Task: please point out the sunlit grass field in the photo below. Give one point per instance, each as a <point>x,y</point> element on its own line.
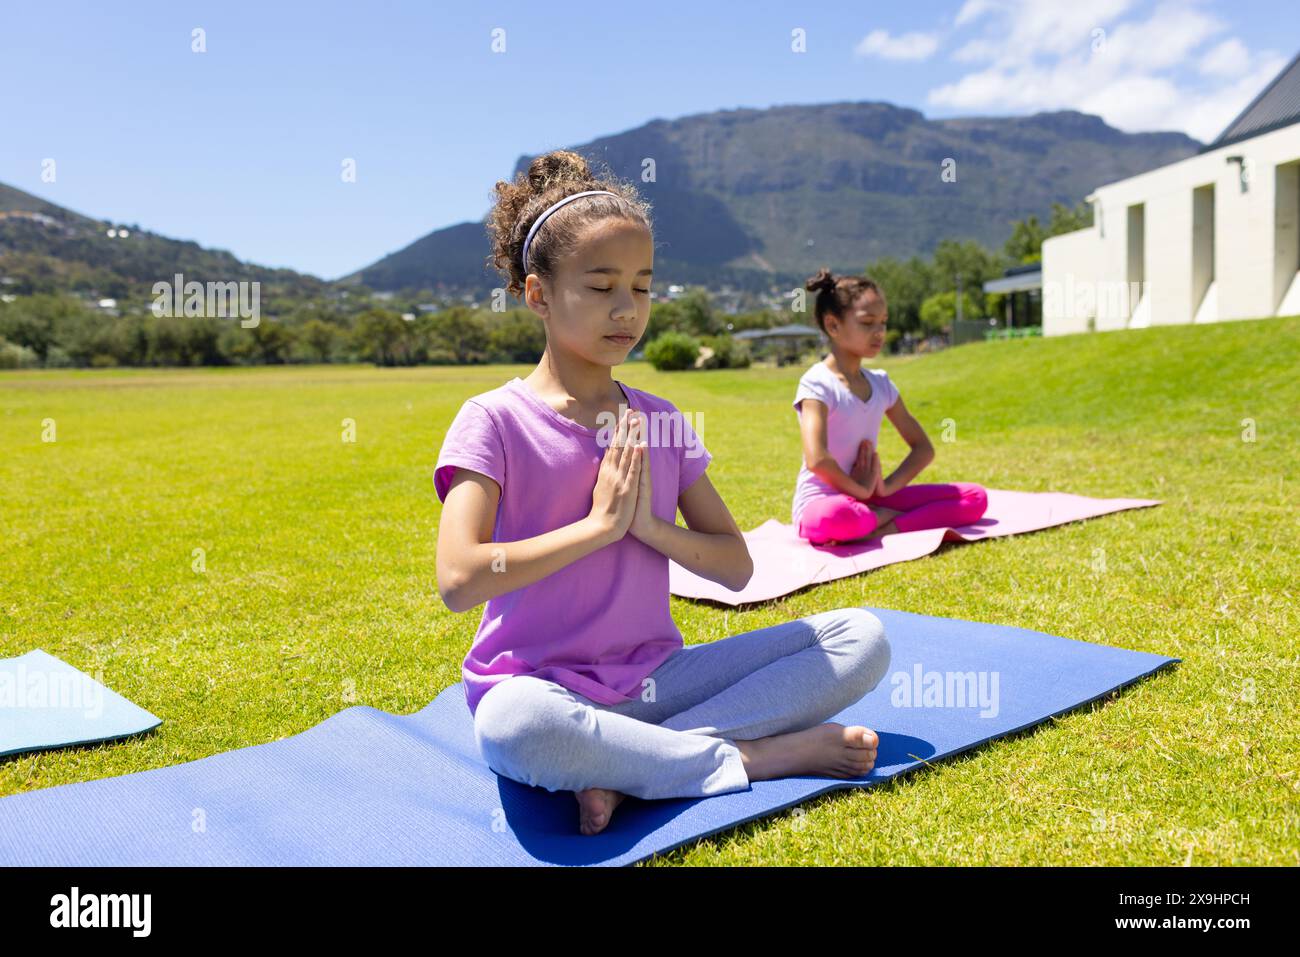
<point>315,588</point>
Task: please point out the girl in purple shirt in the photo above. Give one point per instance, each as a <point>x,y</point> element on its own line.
<point>560,495</point>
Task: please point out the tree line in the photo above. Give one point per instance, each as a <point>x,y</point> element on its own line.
<point>58,329</point>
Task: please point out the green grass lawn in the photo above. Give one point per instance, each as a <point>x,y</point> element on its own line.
<point>320,593</point>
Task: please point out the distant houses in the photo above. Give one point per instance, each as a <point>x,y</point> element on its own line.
<point>34,217</point>
<point>781,343</point>
<point>41,219</point>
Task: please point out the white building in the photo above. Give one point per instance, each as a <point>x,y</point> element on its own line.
<point>1215,236</point>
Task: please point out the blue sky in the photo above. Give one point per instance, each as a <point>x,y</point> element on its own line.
<point>241,147</point>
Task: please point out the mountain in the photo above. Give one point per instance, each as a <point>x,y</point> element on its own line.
<point>756,197</point>
<point>750,198</point>
<point>46,248</point>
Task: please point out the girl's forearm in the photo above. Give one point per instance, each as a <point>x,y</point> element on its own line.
<point>917,459</point>
<point>829,471</point>
<point>494,568</point>
<point>719,557</point>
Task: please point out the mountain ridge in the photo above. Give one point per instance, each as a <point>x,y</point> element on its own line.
<point>756,195</point>
<point>749,197</point>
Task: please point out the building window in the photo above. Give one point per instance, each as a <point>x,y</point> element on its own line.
<point>1286,239</point>
<point>1139,302</point>
<point>1203,255</point>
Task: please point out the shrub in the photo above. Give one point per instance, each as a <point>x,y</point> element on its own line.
<point>14,356</point>
<point>58,358</point>
<point>673,350</point>
<point>728,353</point>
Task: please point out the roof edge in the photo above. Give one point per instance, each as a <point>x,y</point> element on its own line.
<point>1220,141</point>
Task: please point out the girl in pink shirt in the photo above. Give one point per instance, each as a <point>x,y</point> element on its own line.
<point>841,493</point>
<point>560,495</point>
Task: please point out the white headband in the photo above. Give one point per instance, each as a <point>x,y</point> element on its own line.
<point>542,218</point>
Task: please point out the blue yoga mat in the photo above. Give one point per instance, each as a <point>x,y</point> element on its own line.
<point>365,787</point>
<point>47,703</point>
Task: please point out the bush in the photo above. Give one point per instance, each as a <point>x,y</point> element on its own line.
<point>673,350</point>
<point>57,358</point>
<point>14,356</point>
<point>728,353</point>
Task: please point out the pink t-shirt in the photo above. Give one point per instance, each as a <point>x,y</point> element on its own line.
<point>849,420</point>
<point>601,624</point>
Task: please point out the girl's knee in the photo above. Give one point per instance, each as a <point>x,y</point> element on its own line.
<point>495,721</point>
<point>521,716</point>
<point>974,501</point>
<point>872,648</point>
<point>843,519</point>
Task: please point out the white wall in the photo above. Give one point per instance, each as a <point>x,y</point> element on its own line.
<point>1072,261</point>
<point>1255,242</point>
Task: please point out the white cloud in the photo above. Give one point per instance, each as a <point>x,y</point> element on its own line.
<point>1022,30</point>
<point>1138,72</point>
<point>905,46</point>
<point>972,10</point>
<point>1229,58</point>
<point>1164,41</point>
<point>977,51</point>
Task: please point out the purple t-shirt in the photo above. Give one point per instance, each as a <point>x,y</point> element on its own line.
<point>849,420</point>
<point>601,624</point>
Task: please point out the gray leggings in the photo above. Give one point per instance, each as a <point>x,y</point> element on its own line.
<point>702,699</point>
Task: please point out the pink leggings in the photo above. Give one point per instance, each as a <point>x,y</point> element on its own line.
<point>842,518</point>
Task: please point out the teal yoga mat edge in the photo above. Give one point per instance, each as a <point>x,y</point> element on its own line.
<point>142,720</point>
<point>87,742</point>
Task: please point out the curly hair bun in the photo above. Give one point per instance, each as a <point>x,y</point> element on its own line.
<point>824,279</point>
<point>557,166</point>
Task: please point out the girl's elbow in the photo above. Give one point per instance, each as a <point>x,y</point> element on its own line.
<point>450,598</point>
<point>744,568</point>
<point>451,587</point>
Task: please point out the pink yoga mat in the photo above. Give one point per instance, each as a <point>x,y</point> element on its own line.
<point>784,562</point>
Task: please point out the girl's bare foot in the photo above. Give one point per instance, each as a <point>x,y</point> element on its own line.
<point>827,749</point>
<point>596,807</point>
<point>884,522</point>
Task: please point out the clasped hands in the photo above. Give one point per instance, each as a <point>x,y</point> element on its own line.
<point>867,471</point>
<point>623,496</point>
